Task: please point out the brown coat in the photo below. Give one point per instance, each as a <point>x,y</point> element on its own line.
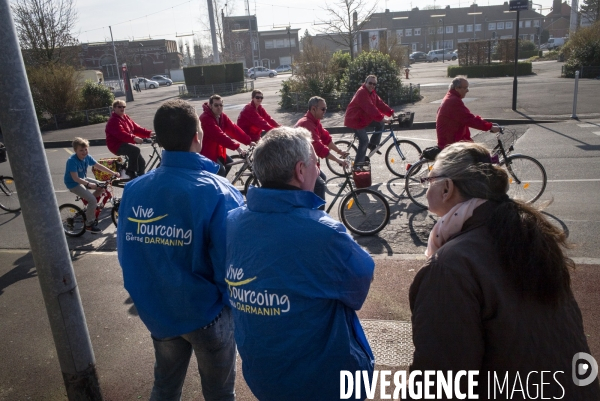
<point>466,315</point>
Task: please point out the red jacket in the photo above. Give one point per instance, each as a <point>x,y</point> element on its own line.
<point>255,120</point>
<point>218,136</point>
<point>320,136</point>
<point>120,130</point>
<point>454,119</point>
<point>364,108</point>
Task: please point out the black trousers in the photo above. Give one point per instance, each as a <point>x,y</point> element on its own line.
<point>223,169</point>
<point>136,164</point>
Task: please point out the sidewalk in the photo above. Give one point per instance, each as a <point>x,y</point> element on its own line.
<point>123,348</point>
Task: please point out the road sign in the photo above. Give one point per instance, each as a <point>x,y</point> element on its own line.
<point>516,5</point>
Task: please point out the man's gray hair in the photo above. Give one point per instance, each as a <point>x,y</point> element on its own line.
<point>314,101</point>
<point>278,152</point>
<point>456,82</point>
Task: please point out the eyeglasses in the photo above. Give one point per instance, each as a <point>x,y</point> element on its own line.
<point>258,97</point>
<point>120,107</point>
<point>372,83</point>
<point>426,181</point>
<point>217,105</point>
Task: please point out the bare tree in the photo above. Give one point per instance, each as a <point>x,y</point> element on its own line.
<point>348,17</point>
<point>220,8</point>
<point>44,28</point>
<point>590,9</point>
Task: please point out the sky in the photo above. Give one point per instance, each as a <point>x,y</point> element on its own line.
<point>140,19</point>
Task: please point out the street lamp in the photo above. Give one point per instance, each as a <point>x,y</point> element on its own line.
<point>289,43</point>
<point>443,33</point>
<point>141,63</point>
<point>474,14</point>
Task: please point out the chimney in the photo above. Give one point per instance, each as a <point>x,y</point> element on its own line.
<point>557,6</point>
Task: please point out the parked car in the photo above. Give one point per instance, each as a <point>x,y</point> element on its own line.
<point>284,68</point>
<point>147,83</point>
<point>417,56</point>
<point>554,43</point>
<point>162,80</point>
<point>437,55</point>
<point>256,72</point>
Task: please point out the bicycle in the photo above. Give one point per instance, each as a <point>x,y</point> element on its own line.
<point>73,217</point>
<point>243,175</point>
<point>363,211</point>
<point>526,176</point>
<point>398,154</point>
<point>9,200</point>
<point>153,162</point>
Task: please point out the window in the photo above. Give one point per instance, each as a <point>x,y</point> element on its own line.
<point>520,24</point>
<point>528,24</point>
<point>293,42</point>
<point>450,29</point>
<point>279,43</point>
<point>500,25</point>
<point>440,30</point>
<point>409,32</point>
<point>492,26</point>
<point>462,40</point>
<point>469,28</point>
<point>399,33</point>
<point>238,46</point>
<point>508,25</point>
<point>417,31</point>
<point>461,28</point>
<point>477,27</point>
<point>536,23</point>
<point>268,44</point>
<point>431,31</point>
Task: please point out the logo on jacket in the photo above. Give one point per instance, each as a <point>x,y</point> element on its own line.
<point>253,301</point>
<point>152,230</point>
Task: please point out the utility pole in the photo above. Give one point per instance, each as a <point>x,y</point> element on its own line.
<point>116,62</point>
<point>213,32</point>
<point>30,169</point>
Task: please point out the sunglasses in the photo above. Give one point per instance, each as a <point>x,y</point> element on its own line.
<point>217,105</point>
<point>258,97</point>
<point>372,83</point>
<point>120,107</point>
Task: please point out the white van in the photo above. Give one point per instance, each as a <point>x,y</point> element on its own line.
<point>555,42</point>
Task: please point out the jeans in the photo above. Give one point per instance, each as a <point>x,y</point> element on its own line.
<point>223,169</point>
<point>215,352</point>
<point>136,163</point>
<point>320,187</point>
<point>364,143</point>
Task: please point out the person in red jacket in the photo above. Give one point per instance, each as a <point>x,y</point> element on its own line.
<point>220,134</point>
<point>454,118</point>
<point>254,119</point>
<point>364,108</point>
<point>121,135</point>
<point>321,140</point>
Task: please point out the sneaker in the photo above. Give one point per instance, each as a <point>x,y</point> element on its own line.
<point>94,229</point>
<point>124,176</point>
<point>371,147</point>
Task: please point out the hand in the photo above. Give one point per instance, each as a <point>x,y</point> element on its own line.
<point>343,154</point>
<point>252,144</point>
<point>116,174</point>
<point>241,152</point>
<point>138,140</point>
<point>343,163</point>
<point>495,129</point>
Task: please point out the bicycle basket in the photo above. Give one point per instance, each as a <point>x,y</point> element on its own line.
<point>431,152</point>
<point>361,174</point>
<point>113,163</point>
<point>2,153</point>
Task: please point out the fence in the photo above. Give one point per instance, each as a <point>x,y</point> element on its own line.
<point>340,100</point>
<point>75,119</point>
<point>590,72</point>
<point>221,89</point>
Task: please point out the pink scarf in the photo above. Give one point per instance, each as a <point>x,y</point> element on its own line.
<point>450,224</point>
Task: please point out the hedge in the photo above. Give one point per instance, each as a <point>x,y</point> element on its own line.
<point>522,54</point>
<point>214,74</point>
<point>491,70</point>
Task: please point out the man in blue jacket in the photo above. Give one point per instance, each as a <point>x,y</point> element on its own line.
<point>171,239</point>
<point>295,279</point>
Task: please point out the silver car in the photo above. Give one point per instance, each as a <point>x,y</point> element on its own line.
<point>147,83</point>
<point>437,55</point>
<point>162,80</point>
<point>256,72</point>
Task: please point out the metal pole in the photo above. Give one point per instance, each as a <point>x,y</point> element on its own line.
<point>574,115</point>
<point>213,32</point>
<point>444,41</point>
<point>44,229</point>
<point>514,99</point>
<point>116,62</point>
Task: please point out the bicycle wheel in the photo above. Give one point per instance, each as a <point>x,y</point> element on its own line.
<point>526,176</point>
<point>344,146</point>
<point>252,180</point>
<point>397,162</point>
<point>9,200</point>
<point>73,220</point>
<point>240,182</point>
<point>114,213</point>
<point>364,212</point>
<point>414,189</point>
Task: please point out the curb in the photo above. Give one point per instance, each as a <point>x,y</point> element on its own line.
<point>340,130</point>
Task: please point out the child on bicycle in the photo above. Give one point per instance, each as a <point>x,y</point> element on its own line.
<point>76,181</point>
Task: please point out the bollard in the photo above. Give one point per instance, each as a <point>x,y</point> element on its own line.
<point>411,93</point>
<point>574,115</point>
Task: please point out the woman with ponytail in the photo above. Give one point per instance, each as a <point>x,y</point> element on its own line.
<point>495,295</point>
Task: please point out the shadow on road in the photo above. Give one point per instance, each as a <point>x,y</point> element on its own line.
<point>24,268</point>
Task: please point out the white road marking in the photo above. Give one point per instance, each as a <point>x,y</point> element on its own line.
<point>596,132</point>
<point>465,100</point>
<point>587,125</point>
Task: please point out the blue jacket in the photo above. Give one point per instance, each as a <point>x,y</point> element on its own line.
<point>295,279</point>
<point>170,240</point>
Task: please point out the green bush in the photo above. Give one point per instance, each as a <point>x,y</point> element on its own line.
<point>526,45</point>
<point>55,88</point>
<point>95,96</point>
<point>373,63</point>
<point>194,75</point>
<point>491,70</point>
<point>339,65</point>
<point>582,49</point>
